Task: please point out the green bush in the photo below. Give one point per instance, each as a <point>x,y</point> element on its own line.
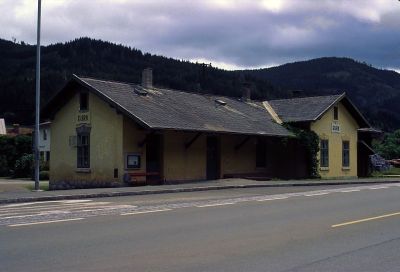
<point>310,141</point>
<point>13,149</point>
<point>4,169</point>
<point>23,145</point>
<point>389,148</point>
<point>44,175</point>
<point>8,155</point>
<point>24,166</point>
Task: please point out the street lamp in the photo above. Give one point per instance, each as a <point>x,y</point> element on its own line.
<point>37,115</point>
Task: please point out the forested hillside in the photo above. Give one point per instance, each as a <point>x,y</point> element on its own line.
<point>88,57</point>
<point>376,92</point>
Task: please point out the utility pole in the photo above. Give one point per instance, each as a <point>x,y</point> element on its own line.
<point>37,115</point>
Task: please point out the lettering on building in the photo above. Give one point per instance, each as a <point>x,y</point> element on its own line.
<point>335,127</point>
<point>83,118</point>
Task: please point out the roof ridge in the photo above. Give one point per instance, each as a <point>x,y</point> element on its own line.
<point>162,88</point>
<point>308,97</point>
<point>105,80</point>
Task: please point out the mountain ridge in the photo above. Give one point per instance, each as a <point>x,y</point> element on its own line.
<point>375,91</point>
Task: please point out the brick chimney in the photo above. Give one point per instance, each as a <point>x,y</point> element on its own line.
<point>147,78</point>
<point>246,92</point>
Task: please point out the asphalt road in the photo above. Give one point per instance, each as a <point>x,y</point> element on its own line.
<point>284,229</point>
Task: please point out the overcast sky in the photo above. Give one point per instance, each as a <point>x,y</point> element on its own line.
<point>230,34</point>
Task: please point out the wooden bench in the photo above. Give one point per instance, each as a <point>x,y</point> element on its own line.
<point>134,178</point>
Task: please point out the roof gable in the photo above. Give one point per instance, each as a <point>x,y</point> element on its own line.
<point>158,108</point>
<point>308,109</point>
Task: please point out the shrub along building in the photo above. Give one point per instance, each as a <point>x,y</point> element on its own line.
<point>338,124</point>
<point>105,133</point>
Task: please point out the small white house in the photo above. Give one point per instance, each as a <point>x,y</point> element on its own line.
<point>44,141</point>
<point>3,130</point>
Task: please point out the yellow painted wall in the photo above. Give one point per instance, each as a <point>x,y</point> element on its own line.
<point>180,163</point>
<point>105,142</point>
<point>191,164</point>
<point>132,135</point>
<point>348,132</point>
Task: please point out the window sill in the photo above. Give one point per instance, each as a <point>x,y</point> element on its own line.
<point>346,168</point>
<point>83,170</point>
<point>324,168</point>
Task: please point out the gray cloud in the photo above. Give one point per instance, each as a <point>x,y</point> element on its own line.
<point>236,33</point>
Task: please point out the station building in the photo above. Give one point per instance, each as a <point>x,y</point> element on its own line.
<point>105,133</point>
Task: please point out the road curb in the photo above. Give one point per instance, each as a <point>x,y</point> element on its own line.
<point>182,190</point>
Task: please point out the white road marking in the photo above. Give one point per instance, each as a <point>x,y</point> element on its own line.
<point>48,207</point>
<point>349,191</point>
<point>316,194</point>
<point>76,201</point>
<point>63,209</point>
<point>215,204</point>
<point>44,202</point>
<point>377,188</point>
<point>68,209</point>
<point>141,212</point>
<point>45,222</point>
<point>272,198</point>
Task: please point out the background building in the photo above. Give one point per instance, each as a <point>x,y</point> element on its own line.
<point>3,130</point>
<point>44,141</point>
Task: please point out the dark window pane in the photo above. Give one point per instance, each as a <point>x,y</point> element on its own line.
<point>83,151</point>
<point>335,113</point>
<point>346,154</point>
<point>83,102</point>
<point>324,153</point>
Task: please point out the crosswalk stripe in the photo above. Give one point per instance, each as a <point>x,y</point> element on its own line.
<point>45,222</point>
<point>71,209</point>
<point>52,206</point>
<point>50,201</point>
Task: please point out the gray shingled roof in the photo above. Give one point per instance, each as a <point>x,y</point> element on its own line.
<point>303,109</point>
<point>170,109</point>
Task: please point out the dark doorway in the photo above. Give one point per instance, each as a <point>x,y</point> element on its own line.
<point>153,159</point>
<point>213,158</point>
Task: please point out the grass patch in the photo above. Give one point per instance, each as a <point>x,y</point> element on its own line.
<point>392,171</point>
<point>44,186</point>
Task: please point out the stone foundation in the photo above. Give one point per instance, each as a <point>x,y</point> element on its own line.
<point>82,184</point>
